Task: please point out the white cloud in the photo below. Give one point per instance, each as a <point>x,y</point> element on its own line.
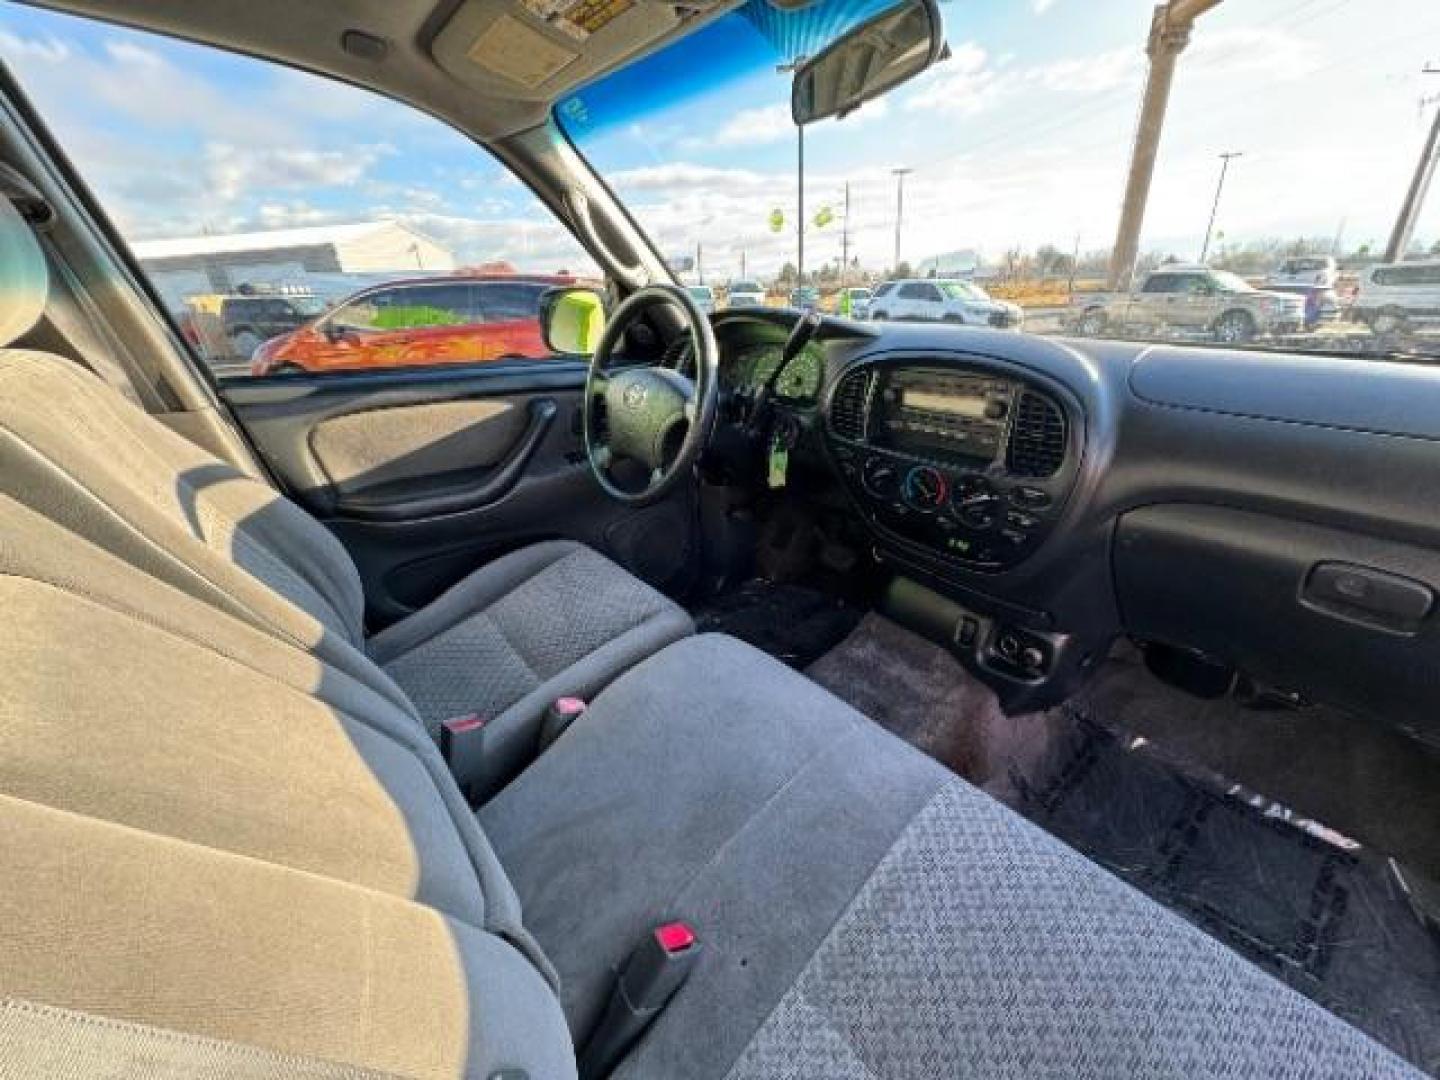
<point>683,175</point>
<point>234,171</point>
<point>1041,6</point>
<point>48,50</point>
<point>967,85</point>
<point>1240,51</point>
<point>749,127</point>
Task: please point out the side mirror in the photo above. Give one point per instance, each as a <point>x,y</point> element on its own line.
<point>334,333</point>
<point>571,320</point>
<point>871,60</point>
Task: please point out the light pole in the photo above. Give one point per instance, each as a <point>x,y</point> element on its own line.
<point>1215,206</point>
<point>789,69</point>
<point>1419,186</point>
<point>899,173</point>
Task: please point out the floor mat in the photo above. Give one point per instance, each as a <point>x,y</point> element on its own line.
<point>1324,915</point>
<point>793,623</point>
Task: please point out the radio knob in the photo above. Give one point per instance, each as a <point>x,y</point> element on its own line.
<point>995,409</point>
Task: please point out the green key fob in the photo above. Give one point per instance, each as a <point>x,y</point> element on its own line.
<point>779,462</point>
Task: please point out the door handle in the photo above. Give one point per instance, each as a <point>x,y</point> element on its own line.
<point>496,484</point>
<point>1366,595</point>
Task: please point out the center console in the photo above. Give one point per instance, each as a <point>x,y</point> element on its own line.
<point>970,464</point>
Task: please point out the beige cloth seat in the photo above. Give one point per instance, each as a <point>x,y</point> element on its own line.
<point>546,621</point>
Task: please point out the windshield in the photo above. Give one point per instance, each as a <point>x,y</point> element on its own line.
<point>700,292</point>
<point>1231,282</point>
<point>1290,135</point>
<point>961,290</point>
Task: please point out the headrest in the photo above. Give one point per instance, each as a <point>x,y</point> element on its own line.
<point>24,280</point>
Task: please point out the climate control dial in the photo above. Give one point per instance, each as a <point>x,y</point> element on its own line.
<point>925,488</point>
<point>975,502</point>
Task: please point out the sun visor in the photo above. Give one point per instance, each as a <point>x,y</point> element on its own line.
<point>540,50</point>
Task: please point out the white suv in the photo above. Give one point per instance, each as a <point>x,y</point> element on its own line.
<point>1306,270</point>
<point>745,294</point>
<point>941,300</point>
<point>1393,296</point>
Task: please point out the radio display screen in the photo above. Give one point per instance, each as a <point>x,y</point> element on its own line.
<point>972,405</point>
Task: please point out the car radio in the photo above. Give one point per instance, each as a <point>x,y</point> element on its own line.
<point>972,465</point>
<point>957,416</point>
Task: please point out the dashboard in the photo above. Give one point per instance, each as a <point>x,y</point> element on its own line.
<point>1030,499</point>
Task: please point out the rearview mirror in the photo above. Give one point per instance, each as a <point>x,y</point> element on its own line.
<point>571,320</point>
<point>869,61</point>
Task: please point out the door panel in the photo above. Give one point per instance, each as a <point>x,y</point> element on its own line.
<point>425,475</point>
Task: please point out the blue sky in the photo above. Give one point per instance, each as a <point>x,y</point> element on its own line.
<point>1020,139</point>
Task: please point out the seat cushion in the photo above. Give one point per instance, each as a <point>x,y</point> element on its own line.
<point>550,620</point>
<point>863,911</point>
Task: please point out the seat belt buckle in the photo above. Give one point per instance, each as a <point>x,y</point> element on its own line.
<point>561,713</point>
<point>462,745</point>
<point>648,980</point>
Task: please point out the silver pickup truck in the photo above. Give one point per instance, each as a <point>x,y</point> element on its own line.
<point>1191,301</point>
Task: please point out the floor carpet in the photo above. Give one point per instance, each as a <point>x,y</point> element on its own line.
<point>1321,912</point>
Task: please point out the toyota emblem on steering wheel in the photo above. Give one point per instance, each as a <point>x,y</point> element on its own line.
<point>634,395</point>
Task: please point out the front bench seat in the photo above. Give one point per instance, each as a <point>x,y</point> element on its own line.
<point>546,621</point>
<point>227,859</point>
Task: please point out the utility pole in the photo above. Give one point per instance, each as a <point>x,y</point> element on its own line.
<point>1419,186</point>
<point>1170,26</point>
<point>790,69</point>
<point>800,201</point>
<point>699,263</point>
<point>899,174</point>
<point>1225,159</point>
<point>845,238</point>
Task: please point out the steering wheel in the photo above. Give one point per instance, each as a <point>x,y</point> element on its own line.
<point>653,415</point>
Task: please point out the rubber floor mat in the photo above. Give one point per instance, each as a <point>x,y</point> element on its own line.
<point>1315,910</point>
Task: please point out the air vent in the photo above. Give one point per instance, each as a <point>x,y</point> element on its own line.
<point>1037,441</point>
<point>847,407</point>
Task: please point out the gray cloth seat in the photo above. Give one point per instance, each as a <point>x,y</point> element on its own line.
<point>864,912</point>
<point>549,620</point>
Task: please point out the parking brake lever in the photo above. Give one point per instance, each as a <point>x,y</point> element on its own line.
<point>806,327</point>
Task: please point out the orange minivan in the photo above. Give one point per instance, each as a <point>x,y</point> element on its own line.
<point>459,319</point>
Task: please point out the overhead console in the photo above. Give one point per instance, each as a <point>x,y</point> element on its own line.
<point>961,458</point>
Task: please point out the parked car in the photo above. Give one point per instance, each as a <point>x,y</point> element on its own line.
<point>1395,296</point>
<point>805,298</point>
<point>1322,302</point>
<point>227,326</point>
<point>745,294</point>
<point>1305,270</point>
<point>943,300</point>
<point>853,303</point>
<point>459,319</point>
<point>1194,299</point>
<point>704,297</point>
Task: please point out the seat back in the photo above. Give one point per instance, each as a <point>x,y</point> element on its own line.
<point>222,828</point>
<point>75,450</point>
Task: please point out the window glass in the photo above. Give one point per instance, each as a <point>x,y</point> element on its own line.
<point>238,180</point>
<point>1290,134</point>
<point>1161,283</point>
<point>914,291</point>
<point>500,302</point>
